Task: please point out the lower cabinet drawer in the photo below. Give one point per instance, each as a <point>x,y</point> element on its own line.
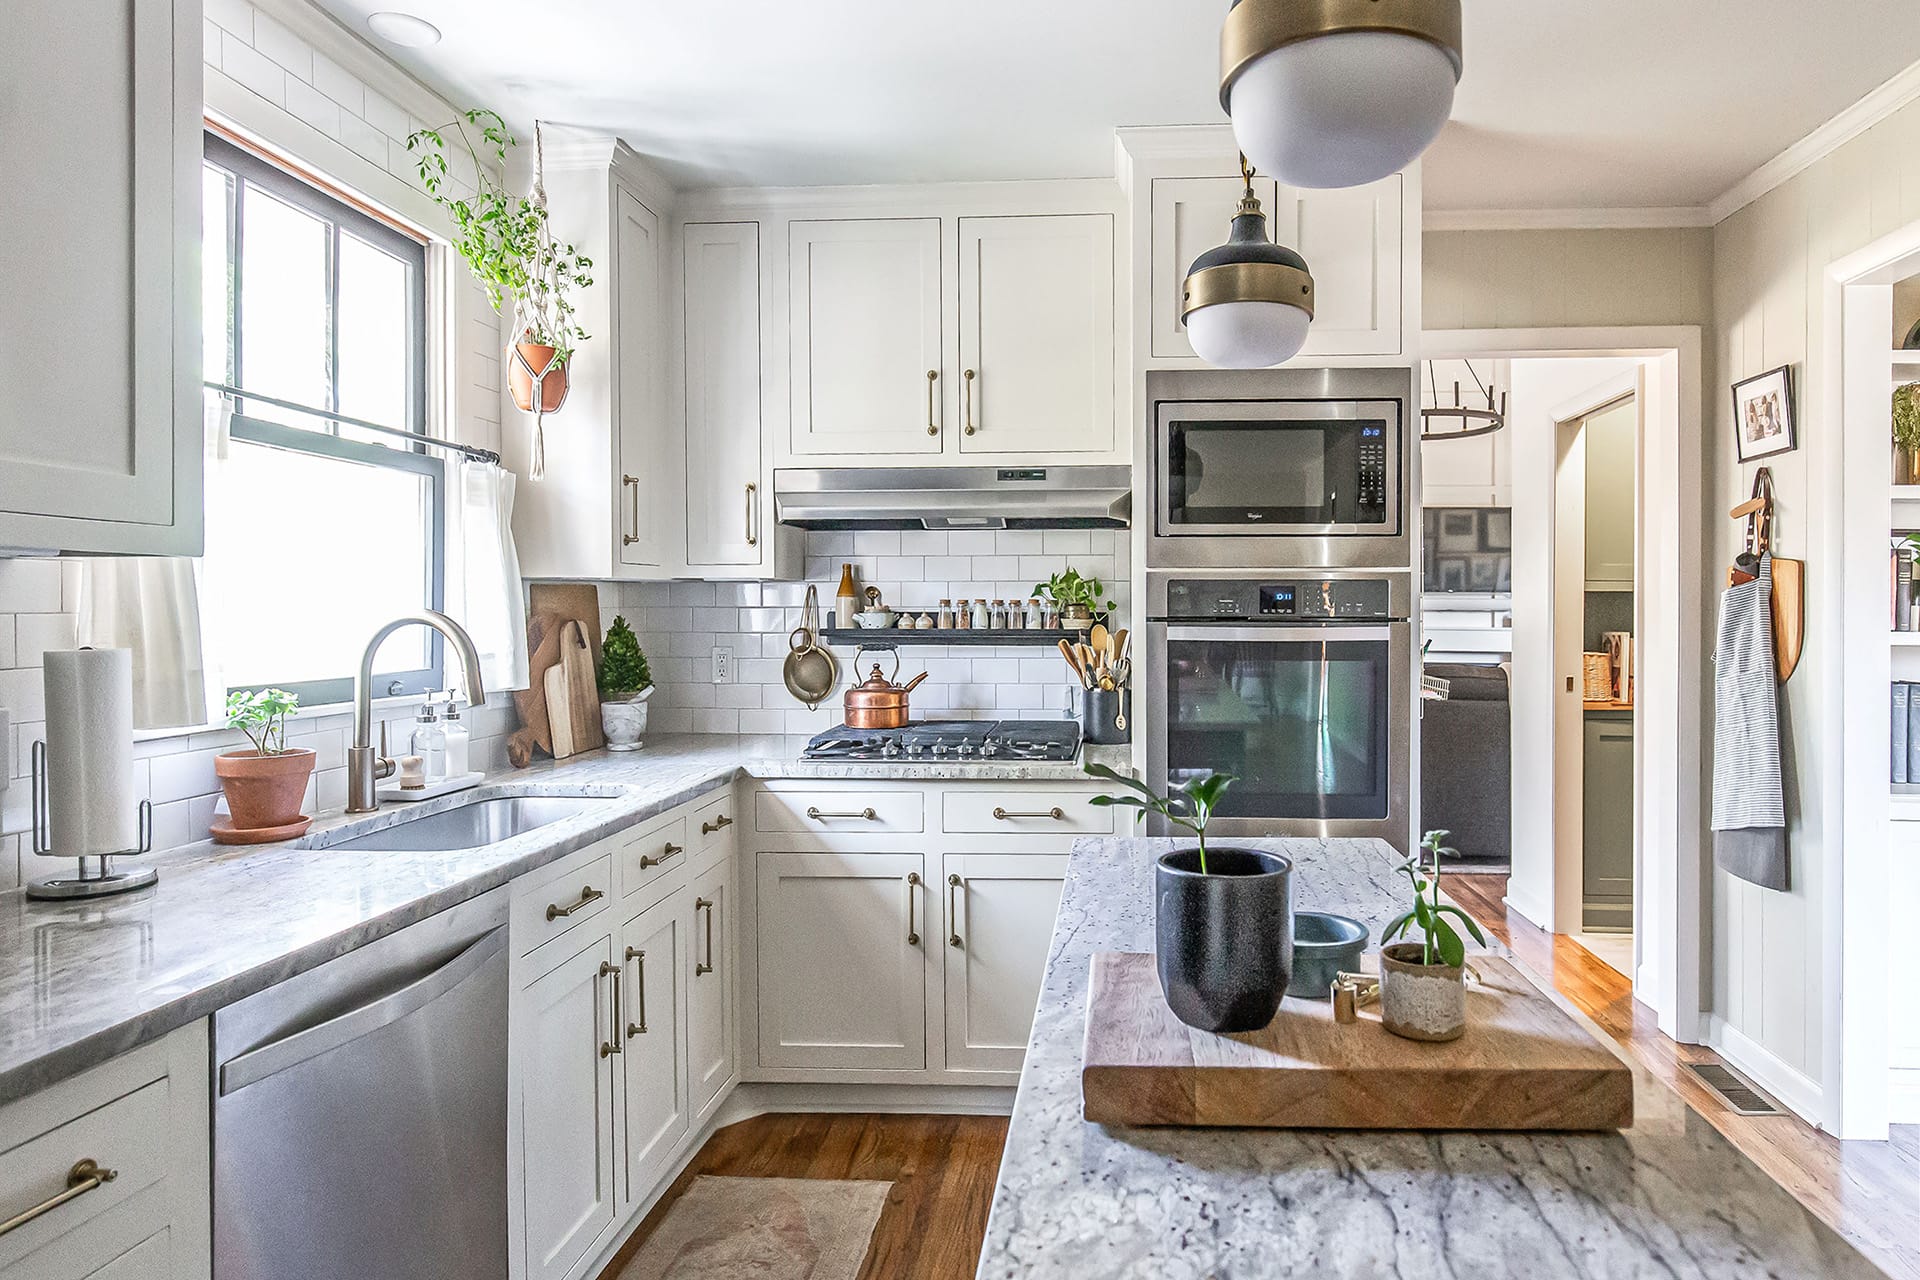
<point>1025,813</point>
<point>548,909</point>
<point>838,812</point>
<point>86,1167</point>
<point>652,853</point>
<point>712,822</point>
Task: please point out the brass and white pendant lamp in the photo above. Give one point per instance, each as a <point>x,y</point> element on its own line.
<point>1249,301</point>
<point>1337,93</point>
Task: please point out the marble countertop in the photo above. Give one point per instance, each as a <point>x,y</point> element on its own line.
<point>83,981</point>
<point>1669,1197</point>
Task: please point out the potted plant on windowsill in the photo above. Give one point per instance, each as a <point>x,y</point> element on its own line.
<point>1079,598</point>
<point>1223,916</point>
<point>1423,989</point>
<point>264,786</point>
<point>625,686</point>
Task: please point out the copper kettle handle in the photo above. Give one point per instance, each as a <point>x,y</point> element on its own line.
<point>870,648</point>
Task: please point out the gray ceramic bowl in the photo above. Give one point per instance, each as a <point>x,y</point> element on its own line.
<point>1323,945</point>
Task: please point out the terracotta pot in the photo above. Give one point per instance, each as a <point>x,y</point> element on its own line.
<point>553,388</point>
<point>264,791</point>
<point>1421,1001</point>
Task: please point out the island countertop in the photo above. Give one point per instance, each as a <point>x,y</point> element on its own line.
<point>1669,1197</point>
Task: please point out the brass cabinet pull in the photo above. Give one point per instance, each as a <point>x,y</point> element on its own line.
<point>1007,815</point>
<point>819,815</point>
<point>82,1178</point>
<point>718,824</point>
<point>967,387</point>
<point>953,910</point>
<point>933,376</point>
<point>610,970</point>
<point>753,490</point>
<point>913,883</point>
<point>706,966</point>
<point>628,539</point>
<point>666,853</point>
<point>587,894</point>
<point>639,993</point>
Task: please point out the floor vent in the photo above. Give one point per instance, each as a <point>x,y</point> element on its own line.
<point>1741,1095</point>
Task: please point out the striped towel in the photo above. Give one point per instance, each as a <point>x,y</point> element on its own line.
<point>1749,802</point>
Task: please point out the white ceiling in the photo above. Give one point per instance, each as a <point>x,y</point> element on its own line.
<point>1627,103</point>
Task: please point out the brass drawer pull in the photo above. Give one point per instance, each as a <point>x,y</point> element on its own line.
<point>610,970</point>
<point>720,823</point>
<point>753,491</point>
<point>953,910</point>
<point>706,966</point>
<point>82,1178</point>
<point>933,376</point>
<point>587,894</point>
<point>628,539</point>
<point>666,853</point>
<point>1007,815</point>
<point>865,815</point>
<point>639,993</point>
<point>913,884</point>
<point>969,375</point>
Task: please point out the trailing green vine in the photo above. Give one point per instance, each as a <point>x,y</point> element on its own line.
<point>505,238</point>
<point>1906,417</point>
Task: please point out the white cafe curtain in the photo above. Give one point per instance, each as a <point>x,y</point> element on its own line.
<point>483,589</point>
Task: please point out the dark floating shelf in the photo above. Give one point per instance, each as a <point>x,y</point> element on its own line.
<point>883,636</point>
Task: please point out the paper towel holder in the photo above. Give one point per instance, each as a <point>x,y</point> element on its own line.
<point>107,880</point>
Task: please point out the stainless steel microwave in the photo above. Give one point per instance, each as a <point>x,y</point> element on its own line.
<point>1290,471</point>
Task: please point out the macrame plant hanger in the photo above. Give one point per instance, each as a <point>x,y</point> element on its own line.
<point>537,379</point>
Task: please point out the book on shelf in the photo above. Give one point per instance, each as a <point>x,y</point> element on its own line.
<point>1903,589</point>
<point>1901,711</point>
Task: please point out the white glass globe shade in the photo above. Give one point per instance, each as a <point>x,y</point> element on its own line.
<point>1343,109</point>
<point>1247,335</point>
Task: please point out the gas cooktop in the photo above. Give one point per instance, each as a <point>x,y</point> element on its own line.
<point>951,741</point>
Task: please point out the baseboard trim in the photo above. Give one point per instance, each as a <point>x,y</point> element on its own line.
<point>1795,1090</point>
<point>757,1098</point>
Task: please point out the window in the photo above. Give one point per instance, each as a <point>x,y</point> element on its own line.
<point>318,531</point>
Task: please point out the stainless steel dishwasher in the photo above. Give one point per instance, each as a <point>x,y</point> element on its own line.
<point>360,1112</point>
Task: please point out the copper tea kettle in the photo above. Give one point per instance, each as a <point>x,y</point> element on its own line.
<point>877,702</point>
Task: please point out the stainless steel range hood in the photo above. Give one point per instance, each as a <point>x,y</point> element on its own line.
<point>955,497</point>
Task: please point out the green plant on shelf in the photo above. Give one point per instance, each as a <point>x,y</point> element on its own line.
<point>1906,417</point>
<point>623,665</point>
<point>1069,588</point>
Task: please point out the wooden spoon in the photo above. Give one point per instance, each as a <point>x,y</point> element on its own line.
<point>1098,637</point>
<point>1119,644</point>
<point>1073,660</point>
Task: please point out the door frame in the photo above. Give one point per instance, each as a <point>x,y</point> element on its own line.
<point>1670,903</point>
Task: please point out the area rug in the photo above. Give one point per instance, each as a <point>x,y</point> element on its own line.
<point>766,1228</point>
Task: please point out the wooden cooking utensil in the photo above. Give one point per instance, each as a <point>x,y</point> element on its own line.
<point>1097,637</point>
<point>1068,652</point>
<point>1120,644</point>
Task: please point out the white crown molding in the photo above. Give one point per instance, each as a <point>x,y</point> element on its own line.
<point>1565,219</point>
<point>1898,91</point>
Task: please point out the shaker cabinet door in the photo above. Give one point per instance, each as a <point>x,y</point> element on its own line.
<point>644,511</point>
<point>710,995</point>
<point>999,911</point>
<point>720,306</point>
<point>651,1032</point>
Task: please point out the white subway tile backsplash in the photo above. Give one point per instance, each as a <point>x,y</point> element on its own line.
<point>313,106</point>
<point>282,47</point>
<point>362,137</point>
<point>877,542</point>
<point>30,586</point>
<point>334,80</point>
<point>384,115</point>
<point>234,15</point>
<point>253,69</point>
<point>35,633</point>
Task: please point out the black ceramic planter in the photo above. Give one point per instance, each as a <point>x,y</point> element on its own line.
<point>1224,939</point>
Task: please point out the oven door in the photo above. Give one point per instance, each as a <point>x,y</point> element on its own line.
<point>1311,720</point>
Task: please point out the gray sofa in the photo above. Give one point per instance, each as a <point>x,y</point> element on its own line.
<point>1466,762</point>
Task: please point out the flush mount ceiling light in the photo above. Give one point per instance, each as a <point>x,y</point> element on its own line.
<point>1336,93</point>
<point>403,29</point>
<point>1248,302</point>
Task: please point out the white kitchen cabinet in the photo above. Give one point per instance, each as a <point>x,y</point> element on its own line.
<point>727,501</point>
<point>562,1034</point>
<point>1609,439</point>
<point>100,340</point>
<point>999,911</point>
<point>709,909</point>
<point>651,1035</point>
<point>1036,334</point>
<point>865,336</point>
<point>841,940</point>
<point>646,536</point>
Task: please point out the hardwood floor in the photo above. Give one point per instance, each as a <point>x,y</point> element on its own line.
<point>942,1169</point>
<point>1867,1191</point>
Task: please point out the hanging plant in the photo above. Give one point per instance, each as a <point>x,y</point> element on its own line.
<point>1906,417</point>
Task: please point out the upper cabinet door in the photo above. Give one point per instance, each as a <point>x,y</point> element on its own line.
<point>865,345</point>
<point>1351,241</point>
<point>99,343</point>
<point>1036,334</point>
<point>1191,216</point>
<point>721,310</point>
<point>642,499</point>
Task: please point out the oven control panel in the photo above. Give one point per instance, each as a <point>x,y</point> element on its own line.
<point>1298,600</point>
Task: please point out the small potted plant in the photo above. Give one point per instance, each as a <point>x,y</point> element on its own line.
<point>1906,433</point>
<point>511,250</point>
<point>625,686</point>
<point>266,784</point>
<point>1423,989</point>
<point>1223,917</point>
<point>1079,598</point>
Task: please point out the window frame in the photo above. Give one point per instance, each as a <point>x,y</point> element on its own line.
<point>248,168</point>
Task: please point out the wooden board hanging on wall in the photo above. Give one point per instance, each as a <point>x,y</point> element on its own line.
<point>579,601</point>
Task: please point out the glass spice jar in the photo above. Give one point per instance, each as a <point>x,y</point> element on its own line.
<point>943,617</point>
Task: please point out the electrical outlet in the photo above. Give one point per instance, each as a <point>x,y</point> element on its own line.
<point>722,664</point>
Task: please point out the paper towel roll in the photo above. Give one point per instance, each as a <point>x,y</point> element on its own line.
<point>91,805</point>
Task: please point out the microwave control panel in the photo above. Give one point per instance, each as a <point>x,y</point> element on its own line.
<point>1372,472</point>
<point>1300,600</point>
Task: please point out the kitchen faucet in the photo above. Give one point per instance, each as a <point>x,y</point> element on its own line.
<point>365,766</point>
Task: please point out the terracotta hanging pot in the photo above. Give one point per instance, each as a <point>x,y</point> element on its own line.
<point>525,362</point>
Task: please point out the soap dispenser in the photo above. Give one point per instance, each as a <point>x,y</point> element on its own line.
<point>458,739</point>
<point>430,742</point>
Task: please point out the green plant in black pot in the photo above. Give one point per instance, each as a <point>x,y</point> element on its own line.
<point>1223,915</point>
<point>1423,993</point>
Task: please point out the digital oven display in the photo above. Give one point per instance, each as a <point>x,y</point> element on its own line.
<point>1276,600</point>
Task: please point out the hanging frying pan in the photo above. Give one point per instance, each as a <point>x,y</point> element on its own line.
<point>810,670</point>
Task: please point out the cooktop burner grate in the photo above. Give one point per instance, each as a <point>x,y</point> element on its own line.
<point>957,741</point>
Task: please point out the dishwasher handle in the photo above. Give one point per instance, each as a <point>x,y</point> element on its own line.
<point>277,1055</point>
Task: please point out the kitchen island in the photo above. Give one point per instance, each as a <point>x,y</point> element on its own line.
<point>1669,1197</point>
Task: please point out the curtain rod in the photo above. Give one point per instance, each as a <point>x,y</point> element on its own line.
<point>472,451</point>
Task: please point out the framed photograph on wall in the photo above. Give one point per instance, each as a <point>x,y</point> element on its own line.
<point>1763,422</point>
<point>1459,530</point>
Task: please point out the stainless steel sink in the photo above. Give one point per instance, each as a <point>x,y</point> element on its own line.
<point>471,825</point>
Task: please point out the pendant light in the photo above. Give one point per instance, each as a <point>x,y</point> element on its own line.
<point>1337,93</point>
<point>1249,301</point>
<point>1469,421</point>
